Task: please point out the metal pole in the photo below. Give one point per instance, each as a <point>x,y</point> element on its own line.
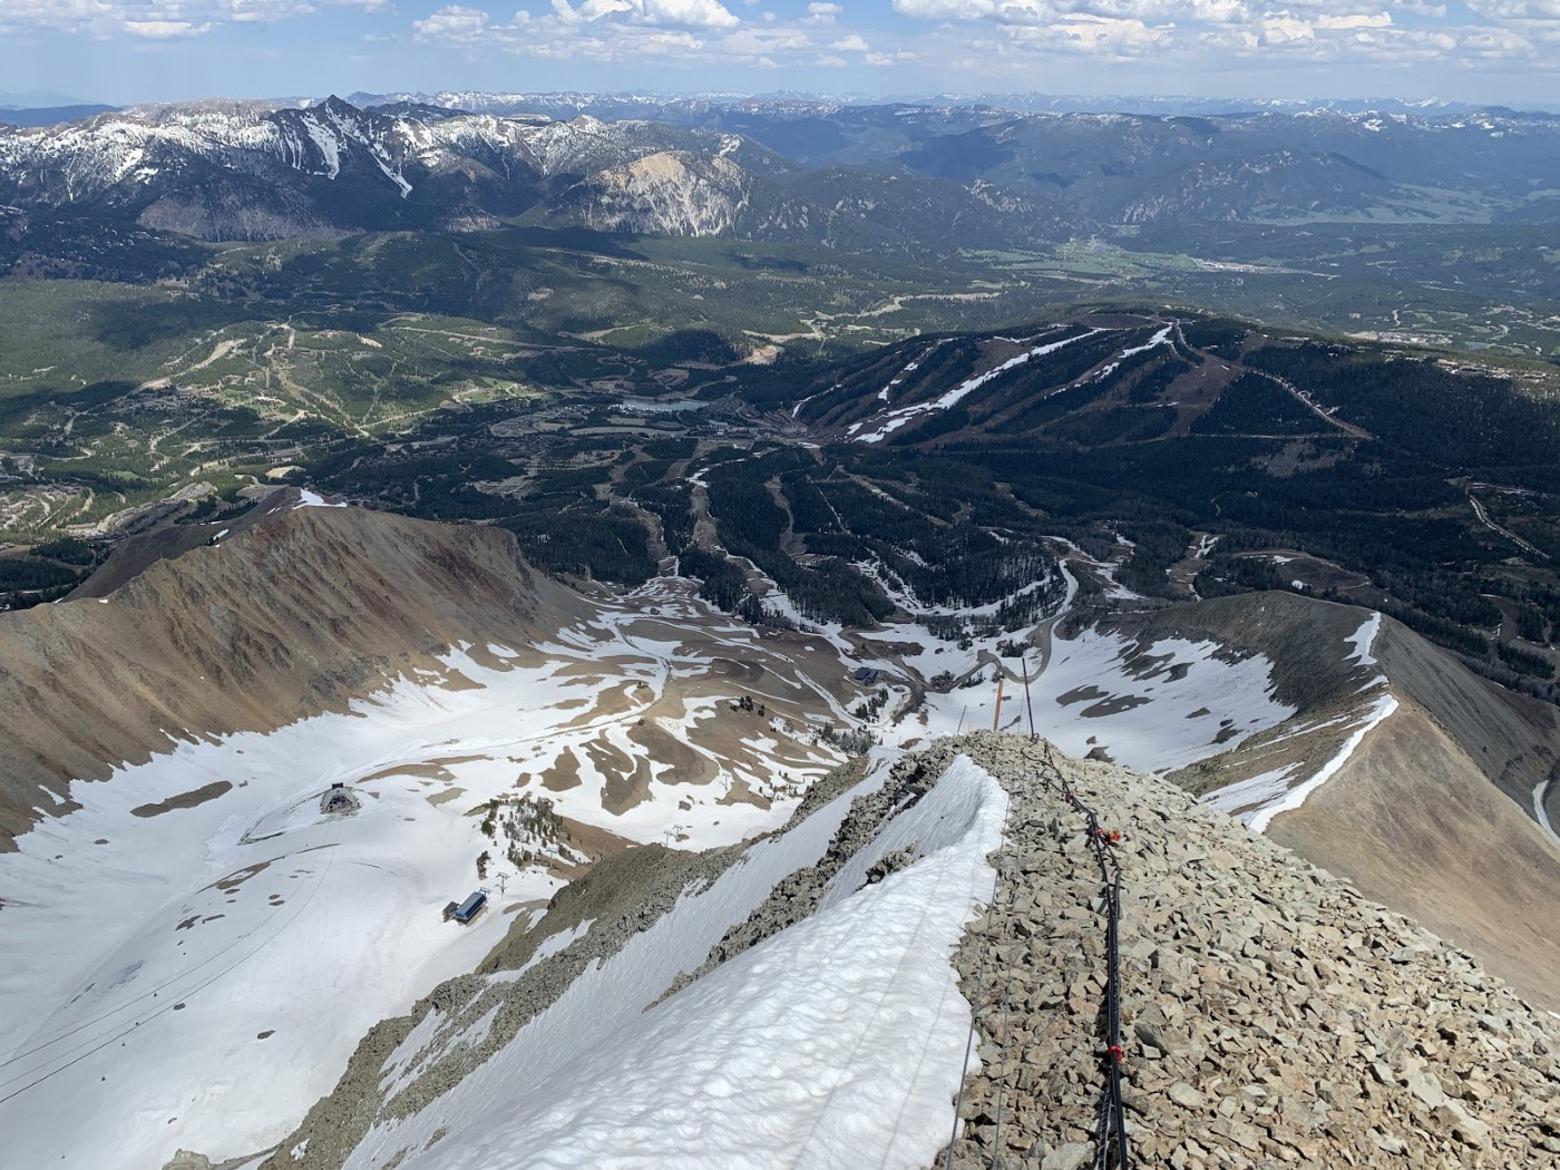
<point>1029,705</point>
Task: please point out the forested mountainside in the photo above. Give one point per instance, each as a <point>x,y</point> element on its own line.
<point>1200,456</point>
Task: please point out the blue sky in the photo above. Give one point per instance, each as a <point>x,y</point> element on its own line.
<point>134,50</point>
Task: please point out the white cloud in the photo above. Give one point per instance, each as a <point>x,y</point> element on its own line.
<point>164,30</point>
<point>1355,20</point>
<point>160,19</point>
<point>946,9</point>
<point>452,23</point>
<point>655,13</point>
<point>1190,34</point>
<point>974,37</point>
<point>1517,9</point>
<point>605,31</point>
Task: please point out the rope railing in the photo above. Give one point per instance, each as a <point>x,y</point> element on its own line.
<point>1112,1146</point>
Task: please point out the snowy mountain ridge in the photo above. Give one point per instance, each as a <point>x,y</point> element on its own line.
<point>859,177</point>
<point>85,160</point>
<point>244,171</point>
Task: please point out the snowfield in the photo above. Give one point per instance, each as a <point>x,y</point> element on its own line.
<point>840,1041</point>
<point>1154,709</point>
<point>192,956</point>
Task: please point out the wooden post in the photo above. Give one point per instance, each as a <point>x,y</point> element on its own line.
<point>996,719</point>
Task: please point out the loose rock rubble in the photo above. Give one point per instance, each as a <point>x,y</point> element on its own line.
<point>1272,1016</point>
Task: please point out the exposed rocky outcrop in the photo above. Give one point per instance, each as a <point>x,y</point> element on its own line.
<point>1272,1015</point>
<point>674,193</point>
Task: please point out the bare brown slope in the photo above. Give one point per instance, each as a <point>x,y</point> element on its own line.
<point>1511,740</point>
<point>1433,813</point>
<point>305,611</point>
<point>1412,822</point>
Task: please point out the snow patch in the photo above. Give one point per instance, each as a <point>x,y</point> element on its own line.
<point>906,414</point>
<point>1541,812</point>
<point>1259,819</point>
<point>1160,338</point>
<point>312,499</point>
<point>839,1041</point>
<point>1364,641</point>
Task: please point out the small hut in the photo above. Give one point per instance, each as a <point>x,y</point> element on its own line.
<point>338,798</point>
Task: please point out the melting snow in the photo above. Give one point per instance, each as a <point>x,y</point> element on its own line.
<point>328,146</point>
<point>1258,800</point>
<point>1541,812</point>
<point>1364,641</point>
<point>895,419</point>
<point>312,499</point>
<point>1160,338</point>
<point>172,949</point>
<point>1259,819</point>
<point>839,1041</point>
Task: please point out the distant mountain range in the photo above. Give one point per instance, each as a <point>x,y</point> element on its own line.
<point>667,105</point>
<point>893,177</point>
<point>50,115</point>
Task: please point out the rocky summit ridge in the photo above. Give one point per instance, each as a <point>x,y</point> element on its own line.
<point>1271,1015</point>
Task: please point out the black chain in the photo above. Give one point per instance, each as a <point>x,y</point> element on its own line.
<point>1111,1145</point>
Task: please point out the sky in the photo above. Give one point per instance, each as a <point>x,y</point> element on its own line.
<point>122,51</point>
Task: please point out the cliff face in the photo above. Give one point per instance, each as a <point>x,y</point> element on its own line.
<point>309,608</point>
<point>669,193</point>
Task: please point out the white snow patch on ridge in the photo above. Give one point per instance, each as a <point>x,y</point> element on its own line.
<point>1258,791</point>
<point>898,418</point>
<point>1364,641</point>
<point>1258,800</point>
<point>1154,342</point>
<point>1261,818</point>
<point>308,498</point>
<point>329,147</point>
<point>838,1042</point>
<point>1541,812</point>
